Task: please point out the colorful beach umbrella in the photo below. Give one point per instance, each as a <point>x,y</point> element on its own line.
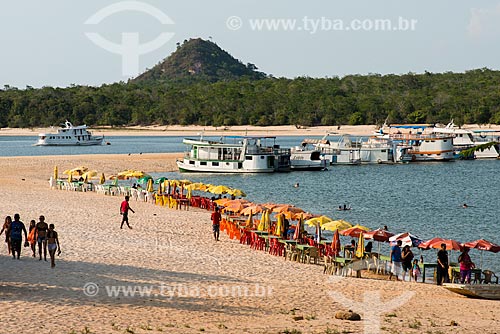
<point>298,228</point>
<point>355,231</point>
<point>321,220</point>
<point>237,193</point>
<point>336,225</point>
<point>160,180</point>
<point>406,238</point>
<point>279,225</point>
<point>249,223</point>
<point>150,187</point>
<point>336,247</point>
<point>360,250</point>
<point>378,235</point>
<point>483,245</point>
<point>144,179</point>
<point>437,242</point>
<point>55,173</point>
<point>102,179</point>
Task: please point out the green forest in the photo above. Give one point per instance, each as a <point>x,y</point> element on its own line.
<point>215,89</point>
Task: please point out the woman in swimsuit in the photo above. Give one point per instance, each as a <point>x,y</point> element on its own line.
<point>6,228</point>
<point>41,237</point>
<point>53,245</point>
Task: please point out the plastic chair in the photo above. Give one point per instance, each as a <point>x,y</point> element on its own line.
<point>489,277</point>
<point>311,254</point>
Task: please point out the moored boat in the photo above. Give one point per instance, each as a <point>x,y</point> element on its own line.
<point>69,135</point>
<point>484,291</point>
<point>304,157</point>
<point>234,154</point>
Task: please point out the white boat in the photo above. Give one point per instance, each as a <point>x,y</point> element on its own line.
<point>413,145</point>
<point>377,150</point>
<point>69,135</point>
<point>337,151</point>
<point>304,157</point>
<point>235,154</point>
<point>484,291</point>
<point>465,139</point>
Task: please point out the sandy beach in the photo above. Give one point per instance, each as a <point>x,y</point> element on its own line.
<point>193,130</point>
<point>196,284</point>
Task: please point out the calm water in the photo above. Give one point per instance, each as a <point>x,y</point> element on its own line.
<point>424,199</point>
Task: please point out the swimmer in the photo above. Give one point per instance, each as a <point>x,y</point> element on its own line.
<point>465,206</point>
<point>296,185</point>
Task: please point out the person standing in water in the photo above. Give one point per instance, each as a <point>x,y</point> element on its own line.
<point>41,237</point>
<point>53,245</point>
<point>124,208</point>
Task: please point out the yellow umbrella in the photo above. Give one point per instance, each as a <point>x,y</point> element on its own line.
<point>78,171</point>
<point>361,227</point>
<point>149,187</point>
<point>55,173</point>
<point>263,225</point>
<point>237,193</point>
<point>360,250</point>
<point>218,190</point>
<point>70,178</point>
<point>185,182</point>
<point>336,225</point>
<point>253,208</point>
<point>279,225</point>
<point>321,220</point>
<point>88,175</point>
<point>102,179</point>
<point>250,220</point>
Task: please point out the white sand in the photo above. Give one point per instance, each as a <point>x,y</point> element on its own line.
<point>176,249</point>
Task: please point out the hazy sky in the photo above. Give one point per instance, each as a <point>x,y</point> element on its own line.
<point>44,43</point>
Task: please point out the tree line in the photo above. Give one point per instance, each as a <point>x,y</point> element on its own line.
<point>470,97</point>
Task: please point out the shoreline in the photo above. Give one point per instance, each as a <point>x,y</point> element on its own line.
<point>177,130</point>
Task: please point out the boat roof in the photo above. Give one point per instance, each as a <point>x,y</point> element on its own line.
<point>410,126</point>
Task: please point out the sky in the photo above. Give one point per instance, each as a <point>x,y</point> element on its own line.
<point>93,42</point>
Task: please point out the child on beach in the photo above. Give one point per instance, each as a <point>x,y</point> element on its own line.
<point>416,270</point>
<point>31,236</point>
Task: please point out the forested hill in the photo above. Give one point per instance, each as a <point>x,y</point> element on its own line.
<point>239,95</point>
<point>200,60</point>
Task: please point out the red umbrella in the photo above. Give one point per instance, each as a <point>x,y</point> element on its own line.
<point>427,244</point>
<point>336,243</point>
<point>352,232</point>
<point>378,235</point>
<point>436,243</point>
<point>482,244</point>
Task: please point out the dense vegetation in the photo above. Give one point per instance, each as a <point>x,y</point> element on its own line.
<point>216,97</point>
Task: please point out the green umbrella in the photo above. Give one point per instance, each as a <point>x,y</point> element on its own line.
<point>144,179</point>
<point>160,180</point>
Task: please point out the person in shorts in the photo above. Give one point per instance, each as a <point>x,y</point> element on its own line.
<point>124,209</point>
<point>395,260</point>
<point>16,237</point>
<point>216,218</point>
<point>53,245</point>
<point>41,229</point>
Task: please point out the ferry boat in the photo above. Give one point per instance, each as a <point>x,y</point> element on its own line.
<point>304,157</point>
<point>464,139</point>
<point>234,154</point>
<point>341,151</point>
<point>377,151</point>
<point>413,145</point>
<point>69,135</point>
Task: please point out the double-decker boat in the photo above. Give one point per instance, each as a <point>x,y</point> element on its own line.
<point>69,135</point>
<point>464,139</point>
<point>234,154</point>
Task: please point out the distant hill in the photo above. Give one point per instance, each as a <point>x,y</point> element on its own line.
<point>200,60</point>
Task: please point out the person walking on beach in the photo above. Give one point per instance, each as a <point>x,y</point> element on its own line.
<point>41,237</point>
<point>16,237</point>
<point>124,208</point>
<point>406,261</point>
<point>416,270</point>
<point>31,236</point>
<point>216,218</point>
<point>6,228</point>
<point>442,266</point>
<point>466,266</point>
<point>395,256</point>
<point>53,245</point>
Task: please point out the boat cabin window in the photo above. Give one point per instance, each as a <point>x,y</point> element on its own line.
<point>202,163</point>
<point>240,165</point>
<point>191,162</point>
<point>248,157</point>
<point>262,157</point>
<point>215,163</point>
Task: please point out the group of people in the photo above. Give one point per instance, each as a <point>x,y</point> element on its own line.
<point>402,260</point>
<point>39,233</point>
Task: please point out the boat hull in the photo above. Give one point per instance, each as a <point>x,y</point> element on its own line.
<point>483,291</point>
<point>231,168</point>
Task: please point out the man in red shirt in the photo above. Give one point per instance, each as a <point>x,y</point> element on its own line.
<point>124,211</point>
<point>216,217</point>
